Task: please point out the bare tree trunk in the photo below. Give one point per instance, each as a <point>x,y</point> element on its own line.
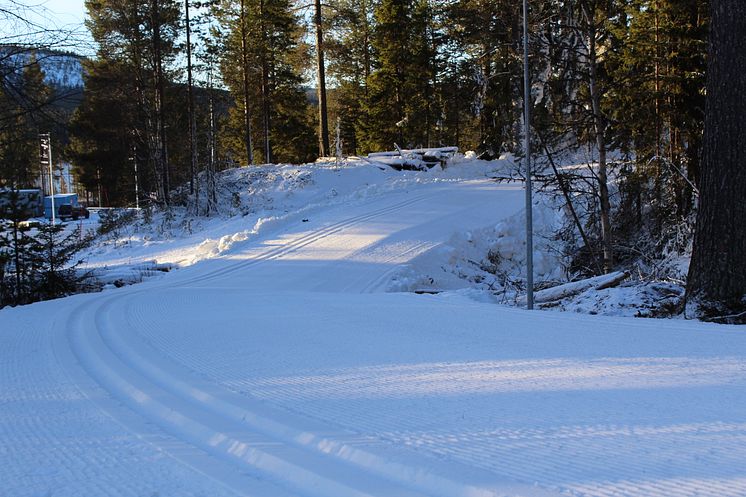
<point>245,74</point>
<point>599,124</point>
<point>145,112</point>
<point>17,258</point>
<point>717,275</point>
<point>265,113</point>
<point>265,87</point>
<point>657,86</point>
<point>161,149</point>
<point>366,46</point>
<point>321,72</point>
<point>192,123</point>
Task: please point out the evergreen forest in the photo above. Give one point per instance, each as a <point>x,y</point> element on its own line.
<point>175,91</point>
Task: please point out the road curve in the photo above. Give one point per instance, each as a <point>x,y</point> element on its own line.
<point>286,454</point>
<point>282,369</point>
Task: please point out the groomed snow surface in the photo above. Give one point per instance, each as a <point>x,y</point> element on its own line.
<point>276,362</point>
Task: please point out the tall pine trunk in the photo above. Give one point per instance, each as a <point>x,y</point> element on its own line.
<point>599,125</point>
<point>717,274</point>
<point>160,110</point>
<point>190,103</point>
<point>321,73</point>
<point>245,85</point>
<point>266,54</point>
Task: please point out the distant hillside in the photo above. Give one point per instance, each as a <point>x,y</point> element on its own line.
<point>63,71</point>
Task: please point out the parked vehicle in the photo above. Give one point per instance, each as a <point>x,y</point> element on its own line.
<point>59,200</point>
<point>74,212</point>
<point>23,204</point>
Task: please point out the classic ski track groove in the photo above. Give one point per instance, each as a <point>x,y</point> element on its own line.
<point>305,240</point>
<point>311,436</point>
<point>228,427</point>
<point>79,365</point>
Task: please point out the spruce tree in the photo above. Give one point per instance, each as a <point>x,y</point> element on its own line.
<point>16,252</point>
<point>55,267</point>
<point>400,88</point>
<point>137,37</point>
<point>264,37</point>
<point>350,58</point>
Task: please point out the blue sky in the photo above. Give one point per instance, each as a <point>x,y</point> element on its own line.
<point>66,11</point>
<point>67,15</point>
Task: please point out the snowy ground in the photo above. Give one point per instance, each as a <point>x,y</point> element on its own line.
<point>276,363</point>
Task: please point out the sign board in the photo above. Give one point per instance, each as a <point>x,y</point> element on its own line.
<point>44,149</point>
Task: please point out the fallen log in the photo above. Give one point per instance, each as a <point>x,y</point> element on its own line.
<point>560,292</point>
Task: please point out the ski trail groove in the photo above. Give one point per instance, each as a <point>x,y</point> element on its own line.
<point>228,427</point>
<point>92,368</point>
<point>305,240</point>
<point>317,442</point>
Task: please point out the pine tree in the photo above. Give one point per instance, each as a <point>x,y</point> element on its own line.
<point>31,115</point>
<point>400,88</point>
<point>350,58</point>
<point>138,38</point>
<point>716,286</point>
<point>657,109</point>
<point>487,34</point>
<point>106,136</point>
<point>576,95</point>
<point>272,113</point>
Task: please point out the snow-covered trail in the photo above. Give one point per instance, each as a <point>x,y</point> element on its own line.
<point>279,369</point>
<point>353,248</point>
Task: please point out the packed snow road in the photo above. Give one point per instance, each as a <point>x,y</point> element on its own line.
<point>282,368</point>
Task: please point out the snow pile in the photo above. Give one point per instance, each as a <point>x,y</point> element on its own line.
<point>420,159</point>
<point>491,260</point>
<point>632,299</point>
<point>489,265</point>
<point>108,277</point>
<point>213,248</point>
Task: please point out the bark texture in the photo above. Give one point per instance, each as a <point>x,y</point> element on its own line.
<point>321,73</point>
<point>717,275</point>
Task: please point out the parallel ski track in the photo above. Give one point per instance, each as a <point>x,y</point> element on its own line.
<point>305,240</point>
<point>290,459</point>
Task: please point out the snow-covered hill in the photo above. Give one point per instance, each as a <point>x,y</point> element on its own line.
<point>486,261</point>
<point>256,200</point>
<point>64,71</point>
